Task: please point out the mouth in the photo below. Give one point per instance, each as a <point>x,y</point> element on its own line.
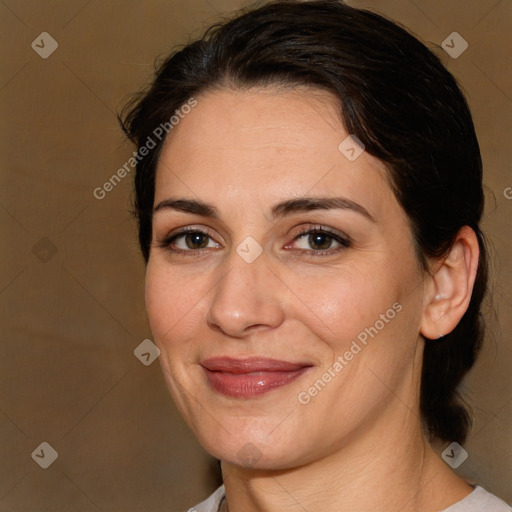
<point>247,378</point>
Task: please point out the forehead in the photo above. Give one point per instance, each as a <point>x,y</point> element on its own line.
<point>265,143</point>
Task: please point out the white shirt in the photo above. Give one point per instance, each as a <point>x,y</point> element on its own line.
<point>477,501</point>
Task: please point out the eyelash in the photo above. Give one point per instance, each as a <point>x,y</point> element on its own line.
<point>344,241</point>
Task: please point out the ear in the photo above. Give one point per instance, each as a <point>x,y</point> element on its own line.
<point>450,286</point>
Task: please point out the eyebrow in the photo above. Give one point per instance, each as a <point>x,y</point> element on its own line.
<point>282,209</point>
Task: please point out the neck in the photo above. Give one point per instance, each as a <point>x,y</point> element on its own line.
<point>368,473</point>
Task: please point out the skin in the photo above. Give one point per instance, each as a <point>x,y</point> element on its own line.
<point>358,444</point>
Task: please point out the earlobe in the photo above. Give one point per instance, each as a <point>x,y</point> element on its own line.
<point>451,286</point>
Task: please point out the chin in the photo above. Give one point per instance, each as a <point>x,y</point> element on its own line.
<point>252,451</point>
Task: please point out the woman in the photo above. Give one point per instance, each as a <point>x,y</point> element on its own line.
<point>309,191</point>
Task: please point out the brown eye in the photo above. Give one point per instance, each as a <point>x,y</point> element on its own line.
<point>196,240</point>
<point>189,240</point>
<point>320,241</point>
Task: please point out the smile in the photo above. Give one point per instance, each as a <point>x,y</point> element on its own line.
<point>247,378</point>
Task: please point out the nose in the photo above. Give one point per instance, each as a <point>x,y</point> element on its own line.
<point>249,297</point>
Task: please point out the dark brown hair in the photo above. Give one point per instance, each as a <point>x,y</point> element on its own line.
<point>394,95</point>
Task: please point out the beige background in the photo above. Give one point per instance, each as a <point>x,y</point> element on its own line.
<point>71,278</point>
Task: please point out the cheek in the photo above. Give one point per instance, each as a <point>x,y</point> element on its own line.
<point>172,303</point>
<point>338,306</point>
<point>370,317</point>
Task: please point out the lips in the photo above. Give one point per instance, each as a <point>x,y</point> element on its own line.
<point>246,378</point>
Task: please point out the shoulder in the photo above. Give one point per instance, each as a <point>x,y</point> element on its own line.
<point>212,503</point>
<point>478,501</point>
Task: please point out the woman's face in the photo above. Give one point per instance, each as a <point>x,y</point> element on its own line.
<point>288,314</point>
